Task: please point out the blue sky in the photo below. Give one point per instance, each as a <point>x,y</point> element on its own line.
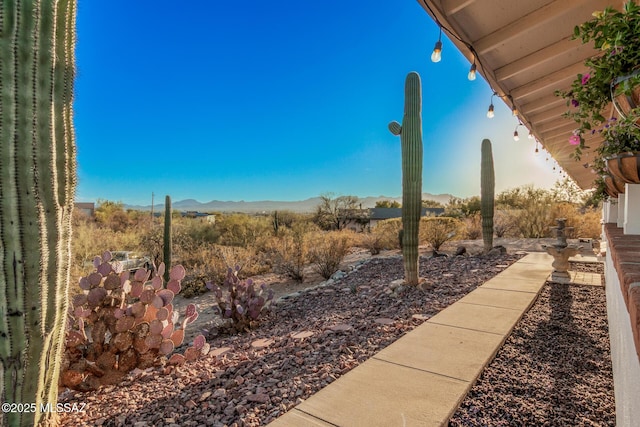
<point>283,100</point>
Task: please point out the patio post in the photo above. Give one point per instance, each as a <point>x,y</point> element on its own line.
<point>632,209</point>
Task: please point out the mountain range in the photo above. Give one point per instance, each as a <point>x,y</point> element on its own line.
<point>308,205</point>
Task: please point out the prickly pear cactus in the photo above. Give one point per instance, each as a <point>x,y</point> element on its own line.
<point>411,138</point>
<point>487,194</point>
<point>242,301</point>
<point>37,189</point>
<point>167,241</point>
<point>121,324</point>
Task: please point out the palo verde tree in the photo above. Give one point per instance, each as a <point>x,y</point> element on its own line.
<point>37,187</point>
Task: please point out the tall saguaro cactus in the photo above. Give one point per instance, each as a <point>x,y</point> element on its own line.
<point>37,189</point>
<point>168,241</point>
<point>487,194</point>
<point>411,138</point>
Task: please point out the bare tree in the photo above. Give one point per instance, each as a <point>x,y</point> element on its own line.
<point>334,213</point>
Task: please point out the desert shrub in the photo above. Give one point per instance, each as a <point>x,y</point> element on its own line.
<point>327,250</point>
<point>590,226</point>
<point>503,224</point>
<point>86,235</point>
<point>472,226</point>
<point>240,300</point>
<point>530,210</point>
<point>242,229</point>
<point>118,325</point>
<point>292,251</point>
<point>438,230</point>
<point>372,242</point>
<point>580,223</point>
<point>385,234</point>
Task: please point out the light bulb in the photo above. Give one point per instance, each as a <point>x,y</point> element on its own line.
<point>490,113</point>
<point>514,111</point>
<point>436,56</point>
<point>537,150</point>
<point>516,137</point>
<point>472,72</point>
<point>530,136</point>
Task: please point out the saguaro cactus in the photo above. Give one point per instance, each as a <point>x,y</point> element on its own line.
<point>167,242</point>
<point>37,189</point>
<point>487,194</point>
<point>411,137</point>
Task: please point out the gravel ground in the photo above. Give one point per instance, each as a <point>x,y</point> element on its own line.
<point>553,370</point>
<point>303,344</point>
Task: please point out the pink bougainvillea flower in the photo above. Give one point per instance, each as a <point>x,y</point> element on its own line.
<point>574,140</point>
<point>586,78</point>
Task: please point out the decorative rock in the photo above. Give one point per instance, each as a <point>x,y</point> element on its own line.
<point>338,275</point>
<point>219,351</point>
<point>301,335</point>
<point>497,250</point>
<point>262,343</point>
<point>420,317</point>
<point>341,327</point>
<point>461,250</point>
<point>384,321</point>
<point>260,398</point>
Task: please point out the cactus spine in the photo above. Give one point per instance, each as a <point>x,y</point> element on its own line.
<point>37,189</point>
<point>487,194</point>
<point>167,237</point>
<point>411,138</point>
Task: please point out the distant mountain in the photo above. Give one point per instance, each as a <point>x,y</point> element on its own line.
<point>308,205</point>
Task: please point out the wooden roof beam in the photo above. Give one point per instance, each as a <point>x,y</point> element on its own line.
<point>527,24</point>
<point>454,6</point>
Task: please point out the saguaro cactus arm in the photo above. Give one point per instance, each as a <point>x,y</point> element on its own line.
<point>37,188</point>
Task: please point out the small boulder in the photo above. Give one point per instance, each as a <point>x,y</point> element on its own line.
<point>461,250</point>
<point>497,251</point>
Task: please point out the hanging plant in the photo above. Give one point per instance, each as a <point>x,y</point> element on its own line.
<point>614,72</point>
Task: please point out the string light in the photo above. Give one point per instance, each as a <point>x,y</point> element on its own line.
<point>436,56</point>
<point>530,136</point>
<point>537,151</point>
<point>490,112</point>
<point>472,71</point>
<point>516,137</point>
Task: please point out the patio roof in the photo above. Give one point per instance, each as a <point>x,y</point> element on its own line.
<point>524,50</point>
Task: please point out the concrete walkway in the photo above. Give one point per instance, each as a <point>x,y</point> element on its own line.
<point>420,379</point>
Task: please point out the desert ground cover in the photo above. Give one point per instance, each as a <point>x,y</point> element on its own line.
<point>304,343</point>
<point>555,367</point>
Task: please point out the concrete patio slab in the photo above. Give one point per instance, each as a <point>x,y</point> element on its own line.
<point>585,278</point>
<point>500,298</point>
<point>535,258</point>
<point>519,283</point>
<point>379,393</point>
<point>526,271</point>
<point>482,318</point>
<point>445,350</point>
<point>297,418</point>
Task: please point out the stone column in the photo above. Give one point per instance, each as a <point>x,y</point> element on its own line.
<point>632,209</point>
